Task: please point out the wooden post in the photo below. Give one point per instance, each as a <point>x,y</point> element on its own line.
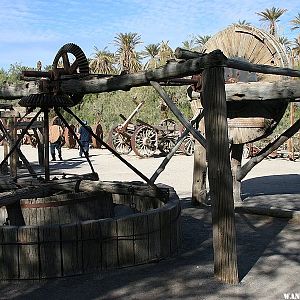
<point>14,156</point>
<point>4,169</point>
<point>236,162</point>
<point>46,144</point>
<point>38,133</point>
<point>219,174</point>
<point>199,193</point>
<point>290,141</point>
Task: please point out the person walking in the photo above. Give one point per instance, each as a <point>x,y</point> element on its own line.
<point>85,138</point>
<point>56,138</point>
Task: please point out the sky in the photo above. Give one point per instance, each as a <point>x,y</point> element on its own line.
<point>32,30</point>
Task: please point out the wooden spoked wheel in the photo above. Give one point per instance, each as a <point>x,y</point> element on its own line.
<point>167,122</point>
<point>144,141</point>
<point>188,145</point>
<point>166,144</point>
<point>69,60</point>
<point>120,141</point>
<point>250,44</point>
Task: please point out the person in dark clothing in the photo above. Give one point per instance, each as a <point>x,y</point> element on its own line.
<point>85,138</point>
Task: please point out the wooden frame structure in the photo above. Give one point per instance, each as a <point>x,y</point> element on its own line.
<point>214,94</point>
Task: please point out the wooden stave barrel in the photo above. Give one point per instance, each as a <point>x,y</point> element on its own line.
<point>237,41</point>
<point>70,141</point>
<point>52,251</point>
<point>98,130</point>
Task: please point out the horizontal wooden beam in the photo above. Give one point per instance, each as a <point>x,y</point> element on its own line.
<point>89,83</point>
<point>285,89</point>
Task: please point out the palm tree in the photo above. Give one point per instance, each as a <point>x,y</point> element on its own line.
<point>285,42</point>
<point>151,51</point>
<point>102,62</point>
<point>189,44</point>
<point>296,51</point>
<point>200,40</point>
<point>272,17</point>
<point>243,22</point>
<point>296,22</point>
<point>165,52</point>
<point>127,57</point>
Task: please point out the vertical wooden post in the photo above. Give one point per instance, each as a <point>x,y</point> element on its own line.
<point>4,169</point>
<point>236,162</point>
<point>46,143</point>
<point>14,156</point>
<point>220,176</point>
<point>38,133</point>
<point>199,193</point>
<point>290,141</point>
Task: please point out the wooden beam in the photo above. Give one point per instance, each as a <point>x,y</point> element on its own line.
<point>94,84</point>
<point>247,167</point>
<point>219,175</point>
<point>284,89</point>
<point>238,64</point>
<point>99,84</point>
<point>196,134</point>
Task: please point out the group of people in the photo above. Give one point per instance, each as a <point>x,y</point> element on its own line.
<point>57,140</point>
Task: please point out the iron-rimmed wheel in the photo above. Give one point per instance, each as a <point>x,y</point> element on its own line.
<point>188,145</point>
<point>144,141</point>
<point>119,141</point>
<point>77,64</point>
<point>166,144</point>
<point>167,122</point>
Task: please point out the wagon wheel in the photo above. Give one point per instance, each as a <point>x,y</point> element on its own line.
<point>166,144</point>
<point>144,141</point>
<point>167,122</point>
<point>72,60</point>
<point>246,151</point>
<point>33,141</point>
<point>188,145</point>
<point>250,44</point>
<point>119,141</point>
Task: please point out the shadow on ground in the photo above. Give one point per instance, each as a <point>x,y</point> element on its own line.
<point>271,185</point>
<point>187,276</point>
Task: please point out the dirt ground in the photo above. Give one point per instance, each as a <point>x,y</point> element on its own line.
<point>268,248</point>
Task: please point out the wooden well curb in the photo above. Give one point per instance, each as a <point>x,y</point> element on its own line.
<point>59,250</point>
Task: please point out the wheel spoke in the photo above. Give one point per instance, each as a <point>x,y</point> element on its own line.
<point>66,62</point>
<point>74,67</point>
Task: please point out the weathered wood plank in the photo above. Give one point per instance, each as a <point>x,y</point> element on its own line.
<point>125,242</point>
<point>28,237</point>
<point>50,251</point>
<point>9,252</point>
<point>109,243</point>
<point>154,235</point>
<point>175,229</point>
<point>141,238</point>
<point>219,174</point>
<point>91,246</point>
<point>165,232</point>
<point>71,247</point>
